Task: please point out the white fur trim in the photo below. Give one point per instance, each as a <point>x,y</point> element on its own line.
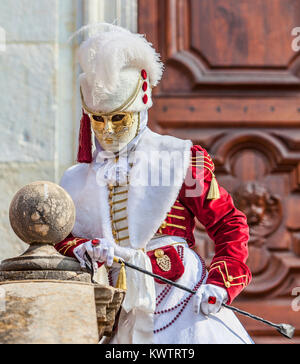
<point>147,206</point>
<point>91,202</point>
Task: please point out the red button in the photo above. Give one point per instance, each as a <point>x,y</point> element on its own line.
<point>212,300</point>
<point>95,242</point>
<point>145,86</point>
<point>144,74</point>
<point>145,99</point>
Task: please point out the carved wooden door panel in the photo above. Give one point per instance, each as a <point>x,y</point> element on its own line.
<point>232,85</point>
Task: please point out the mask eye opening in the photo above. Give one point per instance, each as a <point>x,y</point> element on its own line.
<point>118,117</point>
<point>98,118</point>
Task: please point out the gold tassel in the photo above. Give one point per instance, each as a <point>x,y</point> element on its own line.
<point>121,282</point>
<point>214,193</point>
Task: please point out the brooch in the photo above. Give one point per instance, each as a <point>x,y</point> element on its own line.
<point>162,260</point>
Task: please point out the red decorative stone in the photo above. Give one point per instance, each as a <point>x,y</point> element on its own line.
<point>212,300</point>
<point>145,99</point>
<point>145,86</point>
<point>144,74</point>
<point>95,242</point>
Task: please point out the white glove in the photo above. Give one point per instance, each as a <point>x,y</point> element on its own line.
<point>209,299</point>
<point>104,253</point>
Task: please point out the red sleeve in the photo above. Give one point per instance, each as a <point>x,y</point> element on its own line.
<point>67,246</point>
<point>225,225</point>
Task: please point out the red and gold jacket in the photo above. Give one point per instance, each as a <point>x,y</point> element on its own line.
<point>214,209</point>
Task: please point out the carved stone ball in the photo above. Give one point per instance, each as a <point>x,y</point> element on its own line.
<point>42,212</point>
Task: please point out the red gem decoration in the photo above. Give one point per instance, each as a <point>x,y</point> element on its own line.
<point>145,86</point>
<point>145,99</point>
<point>95,242</point>
<point>144,74</point>
<point>212,300</point>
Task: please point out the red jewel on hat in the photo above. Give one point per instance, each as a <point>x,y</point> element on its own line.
<point>145,86</point>
<point>212,300</point>
<point>144,74</point>
<point>145,99</point>
<point>95,242</point>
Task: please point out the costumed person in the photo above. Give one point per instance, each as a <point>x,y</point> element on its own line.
<point>137,197</point>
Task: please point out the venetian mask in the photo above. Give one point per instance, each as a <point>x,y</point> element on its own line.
<point>114,131</point>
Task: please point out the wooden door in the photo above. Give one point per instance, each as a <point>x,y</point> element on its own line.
<point>232,85</point>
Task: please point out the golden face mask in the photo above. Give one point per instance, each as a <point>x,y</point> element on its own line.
<point>114,131</point>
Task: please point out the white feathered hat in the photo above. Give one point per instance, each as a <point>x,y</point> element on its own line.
<point>120,69</point>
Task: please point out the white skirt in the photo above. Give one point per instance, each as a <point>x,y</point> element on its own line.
<point>175,321</point>
<point>186,327</point>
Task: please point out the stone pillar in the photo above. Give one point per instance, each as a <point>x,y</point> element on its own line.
<point>46,297</point>
<point>48,312</point>
<point>119,12</point>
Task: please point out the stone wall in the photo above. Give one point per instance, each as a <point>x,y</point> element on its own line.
<point>40,105</point>
<point>37,80</point>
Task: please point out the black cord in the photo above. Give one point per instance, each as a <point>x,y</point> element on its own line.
<point>90,270</point>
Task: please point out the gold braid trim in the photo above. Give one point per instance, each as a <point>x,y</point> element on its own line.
<point>201,158</point>
<point>178,207</point>
<point>165,224</point>
<point>228,279</point>
<point>201,164</point>
<point>214,192</point>
<point>69,245</point>
<point>176,217</point>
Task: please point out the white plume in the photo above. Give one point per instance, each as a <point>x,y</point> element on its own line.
<point>111,48</point>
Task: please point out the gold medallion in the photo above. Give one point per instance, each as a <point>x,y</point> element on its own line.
<point>162,260</point>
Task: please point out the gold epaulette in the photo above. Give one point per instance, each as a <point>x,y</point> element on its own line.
<point>206,162</point>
